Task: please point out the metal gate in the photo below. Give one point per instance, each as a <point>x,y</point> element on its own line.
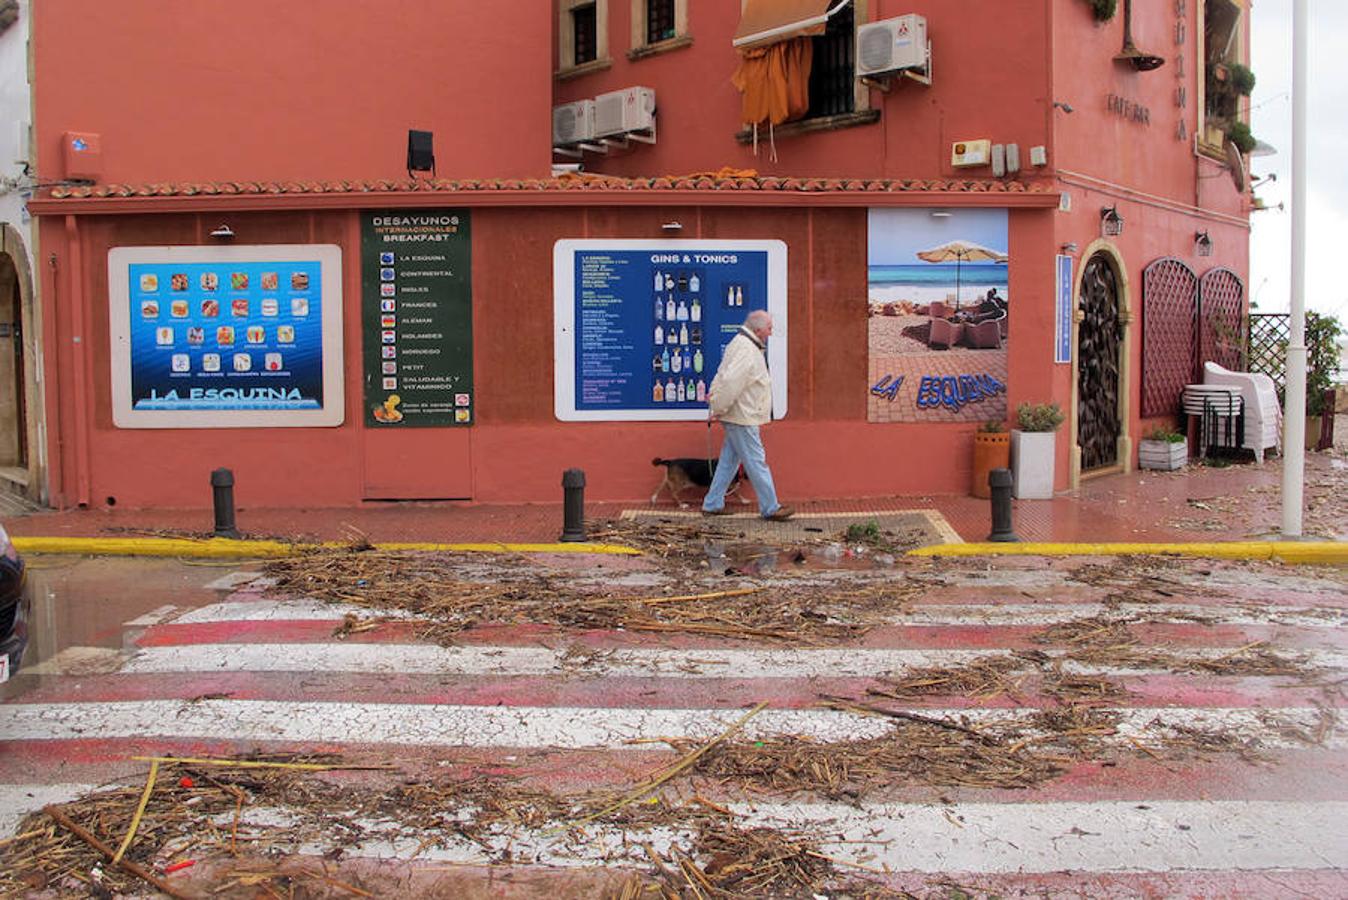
<point>1099,337</point>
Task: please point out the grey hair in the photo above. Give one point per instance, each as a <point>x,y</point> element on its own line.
<point>758,318</point>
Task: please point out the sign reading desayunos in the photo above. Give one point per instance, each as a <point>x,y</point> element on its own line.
<point>417,318</point>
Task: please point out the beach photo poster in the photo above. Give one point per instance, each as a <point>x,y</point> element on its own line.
<point>937,307</point>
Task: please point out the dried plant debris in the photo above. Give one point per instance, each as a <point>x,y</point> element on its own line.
<point>452,597</point>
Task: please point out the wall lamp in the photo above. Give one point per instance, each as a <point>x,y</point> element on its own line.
<point>940,213</point>
<point>672,227</point>
<point>1111,223</point>
<point>1065,107</point>
<point>223,232</point>
<point>1070,248</point>
<point>1202,243</point>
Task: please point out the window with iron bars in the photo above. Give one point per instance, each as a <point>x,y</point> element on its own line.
<point>832,71</point>
<point>584,25</point>
<point>659,21</point>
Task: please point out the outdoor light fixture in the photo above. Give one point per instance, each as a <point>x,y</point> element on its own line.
<point>672,226</point>
<point>1202,243</point>
<point>1065,107</point>
<point>1141,62</point>
<point>1111,223</point>
<point>1069,248</point>
<point>420,152</point>
<point>223,233</point>
<point>940,213</point>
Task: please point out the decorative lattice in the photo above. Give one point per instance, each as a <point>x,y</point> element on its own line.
<point>1221,337</point>
<point>1266,345</point>
<point>1169,334</point>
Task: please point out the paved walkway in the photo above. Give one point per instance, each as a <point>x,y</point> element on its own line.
<point>1241,501</point>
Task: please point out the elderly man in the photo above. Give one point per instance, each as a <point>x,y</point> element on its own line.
<point>740,398</point>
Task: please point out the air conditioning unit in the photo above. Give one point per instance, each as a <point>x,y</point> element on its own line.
<point>573,122</point>
<point>892,45</point>
<point>618,112</point>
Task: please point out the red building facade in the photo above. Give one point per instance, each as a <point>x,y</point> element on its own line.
<point>286,129</point>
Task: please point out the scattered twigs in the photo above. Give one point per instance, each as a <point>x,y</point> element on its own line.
<point>864,709</point>
<point>65,822</point>
<point>140,811</point>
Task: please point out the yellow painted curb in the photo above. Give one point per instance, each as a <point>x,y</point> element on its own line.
<point>223,548</point>
<point>1315,552</point>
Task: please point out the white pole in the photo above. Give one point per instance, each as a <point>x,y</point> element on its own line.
<point>1294,417</point>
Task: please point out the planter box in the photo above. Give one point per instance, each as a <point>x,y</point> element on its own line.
<point>1032,461</point>
<point>1162,455</point>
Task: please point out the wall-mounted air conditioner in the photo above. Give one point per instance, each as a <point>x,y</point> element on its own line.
<point>892,45</point>
<point>573,122</point>
<point>618,112</point>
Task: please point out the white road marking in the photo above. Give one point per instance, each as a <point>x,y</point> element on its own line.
<point>18,800</point>
<point>429,659</point>
<point>565,727</point>
<point>153,617</point>
<point>304,610</point>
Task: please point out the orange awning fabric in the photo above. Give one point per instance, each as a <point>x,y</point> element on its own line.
<point>765,22</point>
<point>775,81</point>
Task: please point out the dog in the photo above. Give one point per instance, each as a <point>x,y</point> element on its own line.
<point>686,472</point>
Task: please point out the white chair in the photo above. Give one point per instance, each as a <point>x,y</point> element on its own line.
<point>1263,415</point>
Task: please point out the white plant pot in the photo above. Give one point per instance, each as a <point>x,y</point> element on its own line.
<point>1032,459</point>
<point>1162,455</point>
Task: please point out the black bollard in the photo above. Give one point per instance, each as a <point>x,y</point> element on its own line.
<point>573,505</point>
<point>222,487</point>
<point>999,481</point>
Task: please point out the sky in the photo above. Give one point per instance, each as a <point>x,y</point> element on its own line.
<point>896,235</point>
<point>1326,156</point>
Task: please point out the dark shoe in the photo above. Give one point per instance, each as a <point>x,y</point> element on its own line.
<point>716,512</point>
<point>780,514</point>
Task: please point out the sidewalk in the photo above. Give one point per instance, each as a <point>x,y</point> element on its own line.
<point>1241,501</point>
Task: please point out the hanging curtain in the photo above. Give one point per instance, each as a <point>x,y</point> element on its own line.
<point>775,81</point>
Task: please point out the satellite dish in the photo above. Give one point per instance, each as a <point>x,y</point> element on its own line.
<point>1235,161</point>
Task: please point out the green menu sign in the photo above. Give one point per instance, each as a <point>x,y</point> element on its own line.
<point>417,317</point>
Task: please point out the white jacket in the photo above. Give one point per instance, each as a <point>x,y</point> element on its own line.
<point>741,392</point>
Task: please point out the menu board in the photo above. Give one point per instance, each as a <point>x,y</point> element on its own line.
<point>417,312</point>
<point>641,325</point>
<point>226,337</point>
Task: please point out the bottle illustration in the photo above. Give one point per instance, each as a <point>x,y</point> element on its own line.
<point>659,309</point>
<point>687,360</point>
<point>730,295</point>
<point>739,296</point>
<point>659,282</point>
<point>655,364</point>
<point>694,284</point>
<point>664,361</point>
<point>682,312</point>
<point>658,395</point>
<point>669,391</point>
<point>659,334</point>
<point>695,310</point>
<point>701,391</point>
<point>671,311</point>
<point>696,334</point>
<point>683,282</point>
<point>676,362</point>
<point>669,282</point>
<point>679,393</point>
<point>697,360</point>
<point>683,334</point>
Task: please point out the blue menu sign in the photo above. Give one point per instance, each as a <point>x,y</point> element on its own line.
<point>1062,315</point>
<point>641,326</point>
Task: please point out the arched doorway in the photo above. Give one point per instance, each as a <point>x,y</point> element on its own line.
<point>22,462</point>
<point>1099,377</point>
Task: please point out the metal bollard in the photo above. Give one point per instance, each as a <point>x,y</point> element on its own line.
<point>222,487</point>
<point>573,505</point>
<point>999,481</point>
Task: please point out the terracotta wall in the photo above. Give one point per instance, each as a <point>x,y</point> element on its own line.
<point>253,90</point>
<point>824,447</point>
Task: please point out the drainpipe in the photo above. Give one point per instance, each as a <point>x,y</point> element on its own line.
<point>1294,416</point>
<point>79,355</point>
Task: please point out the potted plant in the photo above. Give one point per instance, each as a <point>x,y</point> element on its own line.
<point>1162,449</point>
<point>1032,450</point>
<point>992,450</point>
<point>1322,359</point>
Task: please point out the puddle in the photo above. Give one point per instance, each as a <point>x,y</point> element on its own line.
<point>89,607</point>
<point>761,559</point>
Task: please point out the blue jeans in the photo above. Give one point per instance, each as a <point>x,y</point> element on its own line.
<point>742,445</point>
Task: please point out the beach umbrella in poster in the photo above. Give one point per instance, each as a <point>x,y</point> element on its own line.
<point>961,252</point>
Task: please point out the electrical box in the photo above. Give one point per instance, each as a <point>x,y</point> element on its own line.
<point>573,122</point>
<point>82,154</point>
<point>618,112</point>
<point>998,160</point>
<point>892,45</point>
<point>1038,155</point>
<point>964,154</point>
<point>1013,158</point>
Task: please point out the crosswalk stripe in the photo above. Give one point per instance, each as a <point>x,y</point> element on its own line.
<point>568,727</point>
